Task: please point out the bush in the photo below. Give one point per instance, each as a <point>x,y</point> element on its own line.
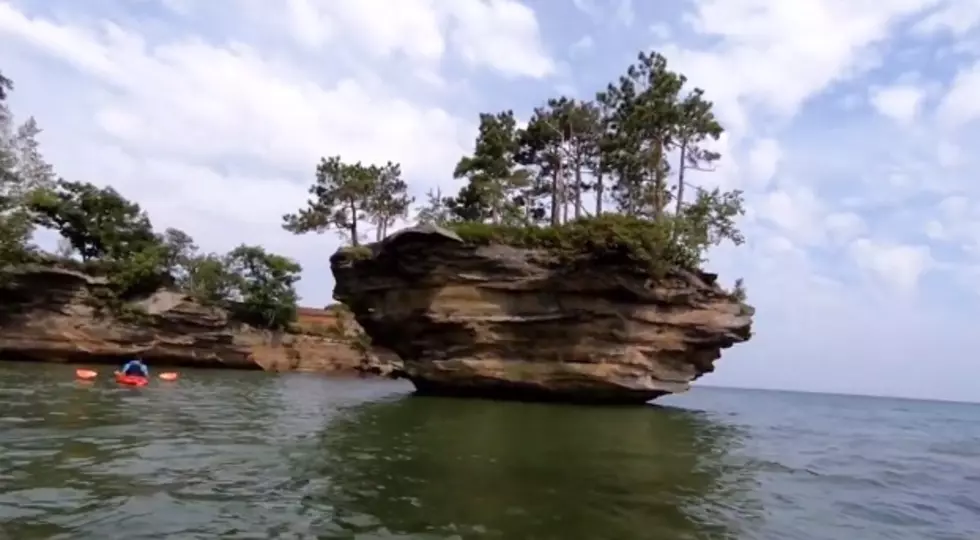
<point>610,238</point>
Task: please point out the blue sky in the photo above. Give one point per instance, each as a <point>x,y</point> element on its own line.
<point>850,128</point>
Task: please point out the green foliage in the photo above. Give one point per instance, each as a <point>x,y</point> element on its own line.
<point>388,200</point>
<point>436,210</point>
<point>494,183</point>
<point>344,194</point>
<point>357,253</point>
<point>6,85</point>
<point>99,222</point>
<point>739,293</point>
<point>138,273</point>
<point>180,253</point>
<point>610,239</point>
<point>262,285</point>
<point>559,144</point>
<point>15,223</point>
<point>208,279</point>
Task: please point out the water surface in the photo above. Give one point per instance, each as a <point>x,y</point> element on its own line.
<point>256,455</point>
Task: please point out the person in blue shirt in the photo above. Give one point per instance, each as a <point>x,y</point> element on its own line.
<point>136,367</point>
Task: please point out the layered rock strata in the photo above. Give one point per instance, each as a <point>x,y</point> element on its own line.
<point>55,315</point>
<point>498,321</point>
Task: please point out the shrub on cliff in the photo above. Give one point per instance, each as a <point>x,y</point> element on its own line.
<point>263,287</point>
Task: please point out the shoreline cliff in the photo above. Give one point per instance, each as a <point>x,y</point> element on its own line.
<point>51,314</point>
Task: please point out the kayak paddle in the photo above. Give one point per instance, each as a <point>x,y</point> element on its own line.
<point>89,374</point>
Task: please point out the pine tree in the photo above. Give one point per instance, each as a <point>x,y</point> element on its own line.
<point>31,167</point>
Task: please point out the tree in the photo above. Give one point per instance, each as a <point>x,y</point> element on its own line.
<point>495,185</point>
<point>181,254</point>
<point>710,220</point>
<point>99,222</point>
<point>435,210</point>
<point>208,280</point>
<point>389,200</point>
<point>542,150</point>
<point>696,123</point>
<point>645,118</point>
<point>33,170</point>
<point>64,248</point>
<point>263,286</point>
<point>6,85</point>
<point>604,145</point>
<point>561,142</point>
<point>340,198</point>
<point>15,222</point>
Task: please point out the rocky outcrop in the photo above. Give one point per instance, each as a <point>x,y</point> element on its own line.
<point>51,314</point>
<point>497,321</point>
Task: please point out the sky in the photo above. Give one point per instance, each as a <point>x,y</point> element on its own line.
<point>849,126</point>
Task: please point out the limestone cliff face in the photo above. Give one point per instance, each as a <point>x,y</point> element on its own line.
<point>49,314</point>
<point>497,321</point>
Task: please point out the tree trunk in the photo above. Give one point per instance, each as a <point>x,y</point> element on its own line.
<point>578,191</point>
<point>599,188</point>
<point>564,202</point>
<point>659,185</point>
<point>555,197</point>
<point>353,225</point>
<point>680,179</point>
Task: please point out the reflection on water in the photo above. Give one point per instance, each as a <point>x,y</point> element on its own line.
<point>512,470</point>
<point>252,455</point>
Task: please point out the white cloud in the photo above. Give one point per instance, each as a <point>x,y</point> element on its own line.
<point>764,161</point>
<point>584,44</point>
<point>957,18</point>
<point>624,12</point>
<point>901,103</point>
<point>500,34</point>
<point>588,7</point>
<point>959,105</point>
<point>900,266</point>
<point>775,56</point>
<point>660,31</point>
<point>796,212</point>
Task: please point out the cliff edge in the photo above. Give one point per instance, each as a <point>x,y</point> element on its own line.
<point>493,320</point>
<point>53,314</point>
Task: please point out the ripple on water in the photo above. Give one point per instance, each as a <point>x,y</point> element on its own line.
<point>252,455</point>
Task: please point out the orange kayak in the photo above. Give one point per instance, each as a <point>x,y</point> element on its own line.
<point>131,380</point>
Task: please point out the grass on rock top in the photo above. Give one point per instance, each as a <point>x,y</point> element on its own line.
<point>610,238</point>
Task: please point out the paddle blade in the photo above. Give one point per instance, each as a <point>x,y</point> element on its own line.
<point>168,376</point>
<point>86,374</point>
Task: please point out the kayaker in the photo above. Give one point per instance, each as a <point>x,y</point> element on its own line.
<point>136,368</point>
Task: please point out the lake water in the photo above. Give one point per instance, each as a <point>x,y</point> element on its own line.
<point>256,455</point>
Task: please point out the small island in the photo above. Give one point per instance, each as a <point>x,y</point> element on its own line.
<point>515,289</point>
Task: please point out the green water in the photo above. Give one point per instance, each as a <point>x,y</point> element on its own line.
<point>254,455</point>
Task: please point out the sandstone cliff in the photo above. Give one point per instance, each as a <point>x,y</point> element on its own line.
<point>498,321</point>
<point>50,314</point>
